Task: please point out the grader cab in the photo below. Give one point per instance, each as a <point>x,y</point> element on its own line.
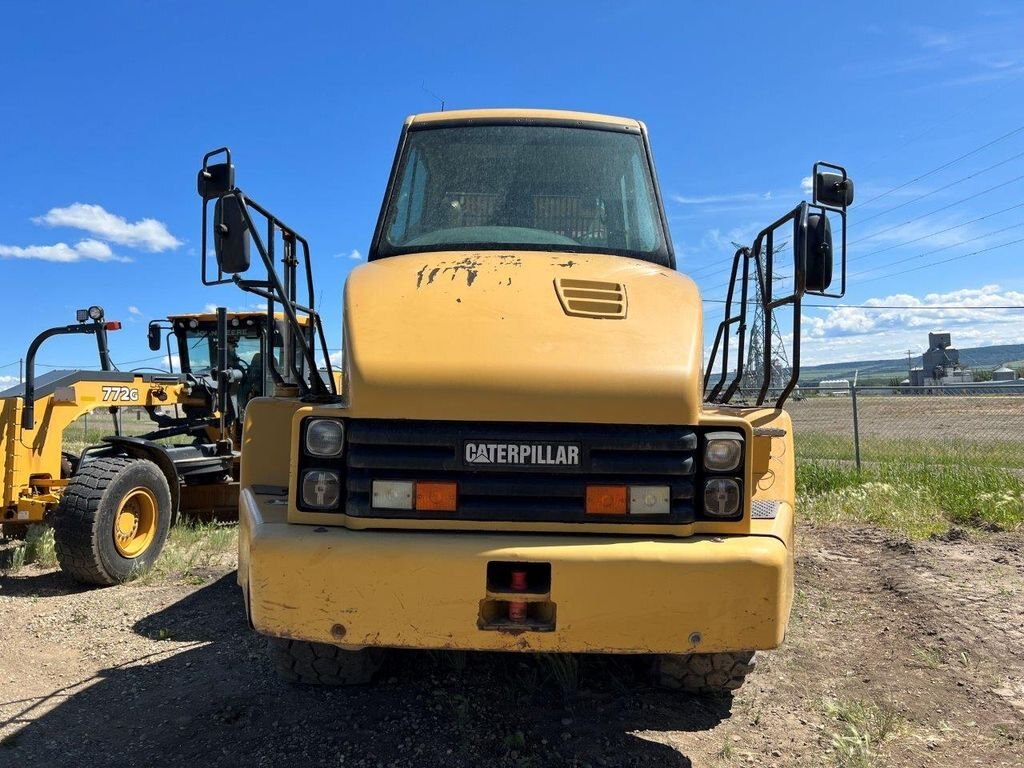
<point>525,455</point>
<point>112,504</point>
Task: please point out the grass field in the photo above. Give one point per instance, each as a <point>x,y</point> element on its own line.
<point>1000,454</point>
<point>916,500</point>
<point>91,428</point>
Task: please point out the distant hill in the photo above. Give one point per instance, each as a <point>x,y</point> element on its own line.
<point>978,358</point>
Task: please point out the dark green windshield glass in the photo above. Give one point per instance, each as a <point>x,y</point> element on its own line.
<point>528,187</point>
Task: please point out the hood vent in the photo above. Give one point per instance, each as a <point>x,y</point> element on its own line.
<point>592,298</point>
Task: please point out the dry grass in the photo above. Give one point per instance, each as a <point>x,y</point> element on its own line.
<point>859,731</point>
<point>193,551</point>
<point>36,548</point>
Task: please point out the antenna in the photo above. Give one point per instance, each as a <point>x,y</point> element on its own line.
<point>423,85</point>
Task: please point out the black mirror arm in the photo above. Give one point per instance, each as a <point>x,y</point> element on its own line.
<point>217,182</point>
<point>29,396</point>
<point>722,335</point>
<point>288,304</point>
<point>741,332</point>
<point>170,357</point>
<point>794,373</point>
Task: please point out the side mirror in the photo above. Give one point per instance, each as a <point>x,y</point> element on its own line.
<point>154,337</point>
<point>833,190</point>
<point>230,235</point>
<point>215,180</point>
<point>817,252</point>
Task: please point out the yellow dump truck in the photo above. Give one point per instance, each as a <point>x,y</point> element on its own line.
<point>112,504</point>
<point>527,453</point>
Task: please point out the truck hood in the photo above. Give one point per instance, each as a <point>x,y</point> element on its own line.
<point>522,336</point>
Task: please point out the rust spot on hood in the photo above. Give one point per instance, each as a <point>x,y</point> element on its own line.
<point>469,266</point>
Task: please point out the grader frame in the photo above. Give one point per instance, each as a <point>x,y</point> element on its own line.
<point>103,534</point>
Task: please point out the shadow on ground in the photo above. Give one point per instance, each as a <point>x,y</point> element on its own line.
<point>204,695</point>
<point>29,582</point>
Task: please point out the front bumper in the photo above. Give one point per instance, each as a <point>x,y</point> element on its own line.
<point>429,589</point>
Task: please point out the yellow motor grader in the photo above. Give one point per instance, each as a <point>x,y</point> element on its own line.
<point>111,505</point>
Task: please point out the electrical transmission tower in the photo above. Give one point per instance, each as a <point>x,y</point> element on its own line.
<point>753,372</point>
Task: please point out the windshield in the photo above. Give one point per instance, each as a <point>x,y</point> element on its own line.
<point>526,187</point>
<point>201,351</point>
<point>243,347</point>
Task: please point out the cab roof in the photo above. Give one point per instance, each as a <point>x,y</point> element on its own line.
<point>210,317</point>
<point>553,115</point>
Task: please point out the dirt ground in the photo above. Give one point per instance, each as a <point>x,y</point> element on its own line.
<point>926,638</point>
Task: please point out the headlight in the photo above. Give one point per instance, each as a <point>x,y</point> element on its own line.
<point>325,437</point>
<point>723,454</point>
<point>722,497</point>
<point>321,488</point>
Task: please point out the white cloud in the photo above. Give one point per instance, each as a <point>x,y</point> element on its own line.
<point>807,184</point>
<point>852,333</point>
<point>354,254</point>
<point>133,310</point>
<point>147,234</point>
<point>929,37</point>
<point>83,250</point>
<point>741,197</point>
<point>8,381</point>
<point>726,241</point>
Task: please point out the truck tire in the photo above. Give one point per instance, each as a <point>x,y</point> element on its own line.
<point>305,663</point>
<point>112,520</point>
<point>704,672</point>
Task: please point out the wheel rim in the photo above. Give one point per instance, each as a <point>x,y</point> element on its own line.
<point>135,522</point>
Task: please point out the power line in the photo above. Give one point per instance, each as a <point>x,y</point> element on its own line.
<point>696,273</point>
<point>908,242</point>
<point>938,189</point>
<point>145,359</point>
<point>937,232</point>
<point>937,250</point>
<point>892,306</point>
<point>937,210</point>
<point>902,243</point>
<point>945,261</point>
<point>915,269</point>
<point>933,171</point>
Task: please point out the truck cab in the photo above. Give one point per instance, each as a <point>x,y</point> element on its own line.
<point>525,456</point>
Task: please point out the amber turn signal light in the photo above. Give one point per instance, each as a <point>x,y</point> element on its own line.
<point>436,497</point>
<point>607,500</point>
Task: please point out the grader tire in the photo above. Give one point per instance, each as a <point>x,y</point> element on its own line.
<point>112,520</point>
<point>305,663</point>
<point>704,673</point>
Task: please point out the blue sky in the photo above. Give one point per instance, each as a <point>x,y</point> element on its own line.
<point>108,108</point>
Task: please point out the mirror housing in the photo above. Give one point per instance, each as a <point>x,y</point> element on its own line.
<point>231,235</point>
<point>833,190</point>
<point>816,257</point>
<point>215,180</point>
<point>153,336</point>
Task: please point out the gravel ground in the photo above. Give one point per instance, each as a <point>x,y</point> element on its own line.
<point>900,653</point>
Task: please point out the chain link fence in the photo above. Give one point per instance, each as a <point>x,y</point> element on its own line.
<point>90,428</point>
<point>978,425</point>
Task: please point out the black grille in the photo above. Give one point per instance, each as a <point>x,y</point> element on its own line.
<point>435,451</point>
